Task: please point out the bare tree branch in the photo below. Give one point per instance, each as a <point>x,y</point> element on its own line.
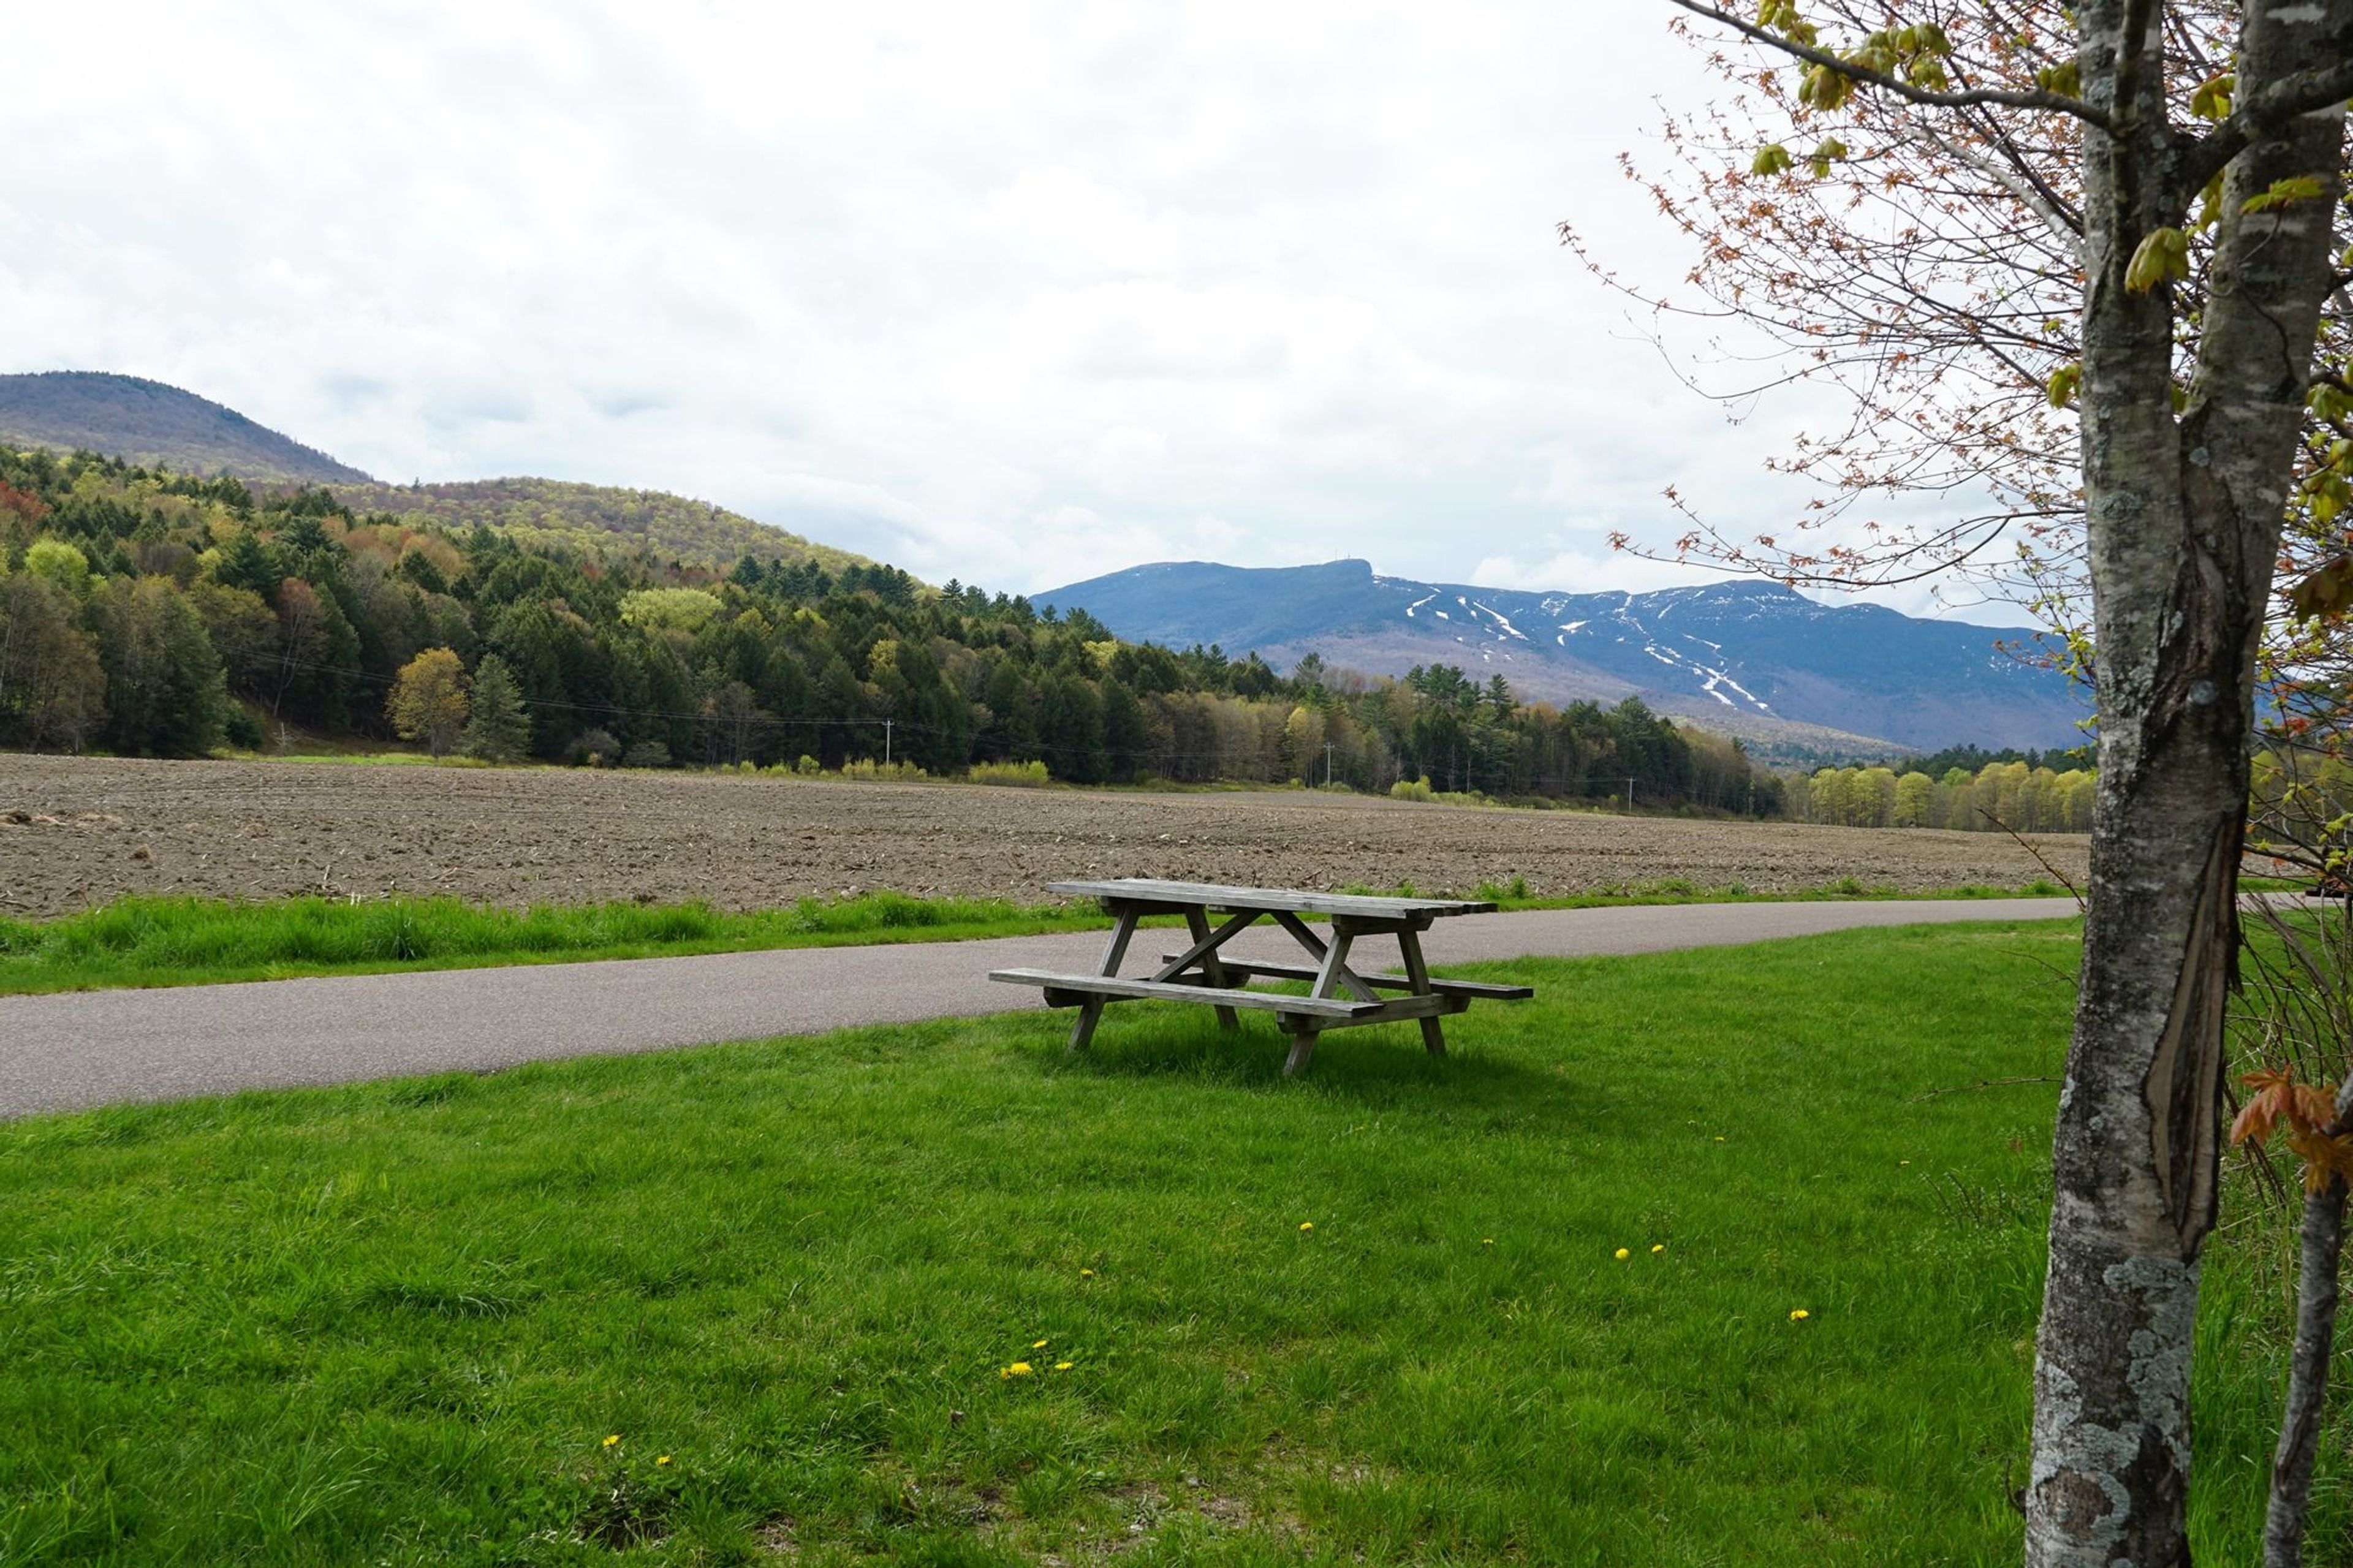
<point>2264,114</point>
<point>2049,102</point>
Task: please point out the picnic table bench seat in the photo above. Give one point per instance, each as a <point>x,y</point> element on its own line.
<point>1203,973</point>
<point>1269,969</point>
<point>1072,990</point>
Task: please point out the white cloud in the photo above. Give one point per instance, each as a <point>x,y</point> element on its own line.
<point>1017,293</point>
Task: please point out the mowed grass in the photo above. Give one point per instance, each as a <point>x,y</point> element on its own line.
<point>172,941</point>
<point>758,1302</point>
<point>151,941</point>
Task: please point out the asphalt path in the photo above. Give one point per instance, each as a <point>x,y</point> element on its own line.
<point>77,1049</point>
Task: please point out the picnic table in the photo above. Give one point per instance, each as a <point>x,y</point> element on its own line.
<point>1339,996</point>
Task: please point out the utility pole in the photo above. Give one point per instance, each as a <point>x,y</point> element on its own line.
<point>1629,797</point>
<point>886,742</point>
<point>1327,764</point>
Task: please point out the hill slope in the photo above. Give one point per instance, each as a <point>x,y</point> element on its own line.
<point>148,423</point>
<point>602,519</point>
<point>155,425</point>
<point>1742,657</point>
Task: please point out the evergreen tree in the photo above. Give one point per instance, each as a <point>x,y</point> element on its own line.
<point>165,691</point>
<point>246,563</point>
<point>498,730</point>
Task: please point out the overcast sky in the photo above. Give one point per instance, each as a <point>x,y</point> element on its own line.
<point>1016,293</point>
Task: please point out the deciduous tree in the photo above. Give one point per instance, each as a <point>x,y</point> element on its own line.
<point>2129,208</point>
<point>52,689</point>
<point>429,701</point>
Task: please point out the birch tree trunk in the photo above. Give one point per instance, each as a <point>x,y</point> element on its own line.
<point>2184,518</point>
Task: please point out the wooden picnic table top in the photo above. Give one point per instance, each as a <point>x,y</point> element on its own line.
<point>1212,896</point>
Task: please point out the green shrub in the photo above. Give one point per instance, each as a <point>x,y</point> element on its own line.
<point>869,770</point>
<point>1024,775</point>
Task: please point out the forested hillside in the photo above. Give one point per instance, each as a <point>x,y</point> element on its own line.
<point>147,422</point>
<point>148,612</point>
<point>604,521</point>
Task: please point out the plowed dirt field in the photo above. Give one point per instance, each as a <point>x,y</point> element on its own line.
<point>77,831</point>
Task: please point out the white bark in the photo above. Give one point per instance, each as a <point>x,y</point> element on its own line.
<point>2184,516</point>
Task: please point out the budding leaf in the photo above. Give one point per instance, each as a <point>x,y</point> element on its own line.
<point>2326,593</point>
<point>2301,188</point>
<point>2211,101</point>
<point>2065,384</point>
<point>2065,78</point>
<point>2163,254</point>
<point>1829,153</point>
<point>1771,158</point>
<point>1825,88</point>
<point>2209,206</point>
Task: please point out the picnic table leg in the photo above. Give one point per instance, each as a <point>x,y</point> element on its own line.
<point>1196,921</point>
<point>1416,974</point>
<point>1090,1011</point>
<point>1335,963</point>
<point>1303,1047</point>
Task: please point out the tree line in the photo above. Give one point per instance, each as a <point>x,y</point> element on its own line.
<point>1999,796</point>
<point>146,612</point>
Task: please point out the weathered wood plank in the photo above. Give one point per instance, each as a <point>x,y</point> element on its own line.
<point>1211,895</point>
<point>1100,986</point>
<point>1083,1028</point>
<point>1067,990</point>
<point>1416,974</point>
<point>1205,942</point>
<point>1269,969</point>
<point>1213,968</point>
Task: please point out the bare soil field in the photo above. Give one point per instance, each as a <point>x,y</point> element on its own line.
<point>76,832</point>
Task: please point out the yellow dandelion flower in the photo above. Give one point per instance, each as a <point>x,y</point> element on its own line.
<point>1307,1225</point>
<point>663,1460</point>
<point>1486,1241</point>
<point>1061,1366</point>
<point>613,1439</point>
<point>1719,1137</point>
<point>1086,1273</point>
<point>1902,1161</point>
<point>1661,1246</point>
<point>1018,1369</point>
<point>1038,1346</point>
<point>1623,1255</point>
<point>1799,1316</point>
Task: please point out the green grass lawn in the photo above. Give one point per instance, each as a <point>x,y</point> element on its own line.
<point>181,941</point>
<point>168,941</point>
<point>759,1302</point>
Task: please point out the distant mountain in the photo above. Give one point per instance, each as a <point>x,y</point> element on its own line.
<point>155,425</point>
<point>1747,658</point>
<point>148,423</point>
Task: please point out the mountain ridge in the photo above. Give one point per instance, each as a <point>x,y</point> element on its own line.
<point>1731,656</point>
<point>156,425</point>
<point>152,424</point>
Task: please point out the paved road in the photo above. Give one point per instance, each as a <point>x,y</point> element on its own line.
<point>96,1048</point>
